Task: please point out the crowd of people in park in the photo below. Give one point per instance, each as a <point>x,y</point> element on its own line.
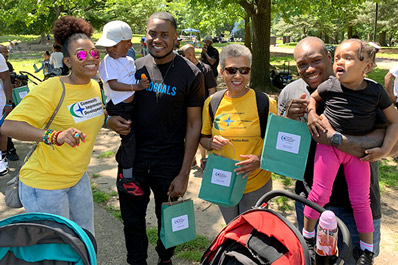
<point>162,106</point>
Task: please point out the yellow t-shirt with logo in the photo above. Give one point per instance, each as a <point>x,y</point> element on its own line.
<point>63,166</point>
<point>237,120</point>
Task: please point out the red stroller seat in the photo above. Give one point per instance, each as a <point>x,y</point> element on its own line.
<point>262,236</point>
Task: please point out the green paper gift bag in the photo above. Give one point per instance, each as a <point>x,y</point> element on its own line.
<point>286,146</point>
<point>19,93</point>
<point>177,223</point>
<point>220,184</point>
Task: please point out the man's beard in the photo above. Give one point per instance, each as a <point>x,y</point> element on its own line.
<point>160,57</point>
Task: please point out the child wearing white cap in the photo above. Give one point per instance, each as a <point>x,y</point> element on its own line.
<point>117,71</point>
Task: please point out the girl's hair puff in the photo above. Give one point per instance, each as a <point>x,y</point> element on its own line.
<point>68,29</point>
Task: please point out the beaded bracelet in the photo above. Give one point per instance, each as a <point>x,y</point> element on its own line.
<point>48,134</point>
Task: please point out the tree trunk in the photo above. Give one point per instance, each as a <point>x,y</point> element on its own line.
<point>43,38</point>
<point>336,37</point>
<point>247,32</point>
<point>382,38</point>
<point>261,21</point>
<point>349,32</point>
<point>327,38</point>
<point>342,36</point>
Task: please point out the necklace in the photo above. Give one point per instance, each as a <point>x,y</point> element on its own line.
<point>162,78</point>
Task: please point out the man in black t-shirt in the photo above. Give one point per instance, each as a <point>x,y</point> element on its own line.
<point>210,55</point>
<point>166,123</point>
<point>188,51</point>
<point>314,66</point>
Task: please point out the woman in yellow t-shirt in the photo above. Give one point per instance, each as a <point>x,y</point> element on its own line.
<point>54,179</point>
<point>236,121</point>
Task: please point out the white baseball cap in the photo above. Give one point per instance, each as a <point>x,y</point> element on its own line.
<point>114,32</point>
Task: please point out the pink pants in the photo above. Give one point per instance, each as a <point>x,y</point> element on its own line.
<point>357,173</point>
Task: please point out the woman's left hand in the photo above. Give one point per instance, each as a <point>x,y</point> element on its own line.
<point>71,136</point>
<point>247,166</point>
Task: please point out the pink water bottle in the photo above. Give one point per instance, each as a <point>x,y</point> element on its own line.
<point>326,239</point>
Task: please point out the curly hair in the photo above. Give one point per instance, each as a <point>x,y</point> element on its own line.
<point>68,29</point>
<point>232,51</point>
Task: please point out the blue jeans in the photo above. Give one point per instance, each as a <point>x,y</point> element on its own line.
<point>74,203</point>
<point>348,218</point>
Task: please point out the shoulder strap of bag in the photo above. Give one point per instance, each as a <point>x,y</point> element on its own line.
<point>215,102</point>
<point>49,121</point>
<point>262,107</point>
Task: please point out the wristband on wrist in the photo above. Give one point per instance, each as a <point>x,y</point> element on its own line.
<point>8,105</point>
<point>55,139</point>
<point>106,121</point>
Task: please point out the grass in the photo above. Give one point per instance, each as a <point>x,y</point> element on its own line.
<point>388,174</point>
<point>106,154</point>
<point>192,250</point>
<point>378,75</point>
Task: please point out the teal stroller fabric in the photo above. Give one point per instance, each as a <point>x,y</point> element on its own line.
<point>45,239</point>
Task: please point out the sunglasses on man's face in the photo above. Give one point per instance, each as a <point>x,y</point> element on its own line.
<point>234,70</point>
<point>82,55</point>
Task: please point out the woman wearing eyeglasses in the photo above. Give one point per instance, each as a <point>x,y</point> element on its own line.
<point>54,179</point>
<point>236,121</point>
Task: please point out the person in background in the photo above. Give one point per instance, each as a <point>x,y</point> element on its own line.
<point>117,72</point>
<point>210,55</point>
<point>166,122</point>
<point>241,128</point>
<point>177,45</point>
<point>391,84</point>
<point>54,179</point>
<point>5,107</point>
<point>11,151</point>
<point>45,64</point>
<point>131,53</point>
<point>144,49</point>
<point>11,47</point>
<point>188,51</point>
<point>56,59</point>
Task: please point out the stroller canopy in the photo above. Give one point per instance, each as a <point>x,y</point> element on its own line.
<point>40,238</point>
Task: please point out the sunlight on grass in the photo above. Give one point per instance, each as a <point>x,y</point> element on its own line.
<point>192,250</point>
<point>378,75</point>
<point>388,175</point>
<point>107,154</point>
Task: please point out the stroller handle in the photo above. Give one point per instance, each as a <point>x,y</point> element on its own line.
<point>346,249</point>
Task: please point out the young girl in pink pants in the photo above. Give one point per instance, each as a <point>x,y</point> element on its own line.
<point>351,105</point>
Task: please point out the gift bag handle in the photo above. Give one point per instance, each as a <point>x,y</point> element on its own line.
<point>171,203</point>
<point>233,148</point>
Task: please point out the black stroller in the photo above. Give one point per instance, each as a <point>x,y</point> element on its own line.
<point>262,236</point>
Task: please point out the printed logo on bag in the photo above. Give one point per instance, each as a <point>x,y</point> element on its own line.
<point>288,142</point>
<point>221,177</point>
<point>179,223</point>
<point>85,110</point>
